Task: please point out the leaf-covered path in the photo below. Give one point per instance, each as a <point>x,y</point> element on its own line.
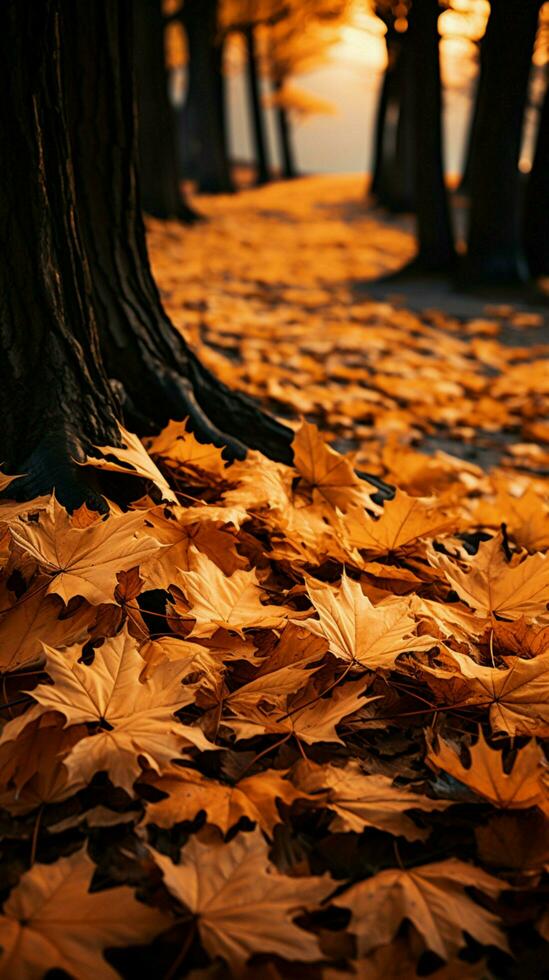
<point>256,724</point>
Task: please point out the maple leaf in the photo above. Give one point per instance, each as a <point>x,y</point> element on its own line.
<point>84,561</point>
<point>226,602</point>
<point>314,721</point>
<point>31,766</point>
<point>34,619</point>
<point>494,586</point>
<point>180,533</point>
<point>359,632</point>
<point>360,800</point>
<point>242,905</point>
<point>404,521</point>
<point>518,696</point>
<point>133,460</point>
<point>133,719</point>
<point>51,921</point>
<point>519,789</point>
<point>180,446</point>
<point>327,472</point>
<point>254,797</point>
<point>433,898</point>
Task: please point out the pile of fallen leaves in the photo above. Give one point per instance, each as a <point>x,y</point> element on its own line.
<point>257,723</point>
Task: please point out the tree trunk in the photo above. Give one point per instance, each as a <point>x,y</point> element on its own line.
<point>434,232</point>
<point>403,186</point>
<point>161,194</point>
<point>494,242</point>
<point>473,135</point>
<point>536,217</point>
<point>55,397</point>
<point>288,168</point>
<point>211,162</point>
<point>387,169</point>
<point>256,108</point>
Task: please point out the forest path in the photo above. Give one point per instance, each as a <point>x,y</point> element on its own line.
<point>278,292</point>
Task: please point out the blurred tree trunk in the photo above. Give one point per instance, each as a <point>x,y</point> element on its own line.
<point>161,194</point>
<point>536,218</point>
<point>494,242</point>
<point>284,126</point>
<point>403,182</point>
<point>473,132</point>
<point>386,90</point>
<point>259,135</point>
<point>206,121</point>
<point>434,231</point>
<point>393,166</point>
<point>80,304</point>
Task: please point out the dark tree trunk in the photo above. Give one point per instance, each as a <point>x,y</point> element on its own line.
<point>287,156</point>
<point>161,193</point>
<point>55,398</point>
<point>494,243</point>
<point>256,109</point>
<point>376,184</point>
<point>76,287</point>
<point>205,99</point>
<point>387,169</point>
<point>403,185</point>
<point>536,216</point>
<point>473,135</point>
<point>434,231</point>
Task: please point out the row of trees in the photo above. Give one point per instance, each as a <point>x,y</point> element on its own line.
<point>508,215</point>
<point>278,38</point>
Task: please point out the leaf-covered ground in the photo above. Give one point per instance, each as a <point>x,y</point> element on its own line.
<point>257,724</point>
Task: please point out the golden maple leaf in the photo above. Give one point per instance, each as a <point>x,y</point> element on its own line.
<point>133,719</point>
<point>433,898</point>
<point>133,460</point>
<point>51,921</point>
<point>84,561</point>
<point>189,792</point>
<point>218,601</point>
<point>494,586</point>
<point>242,905</point>
<point>405,520</point>
<point>485,775</point>
<point>359,800</point>
<point>327,473</point>
<point>360,633</point>
<point>177,445</point>
<point>518,696</point>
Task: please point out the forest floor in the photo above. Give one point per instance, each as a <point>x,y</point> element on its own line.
<point>279,292</point>
<point>296,734</point>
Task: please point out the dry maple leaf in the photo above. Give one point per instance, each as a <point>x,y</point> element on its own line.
<point>519,789</point>
<point>176,444</point>
<point>327,472</point>
<point>433,898</point>
<point>133,460</point>
<point>84,561</point>
<point>52,922</point>
<point>492,585</point>
<point>404,521</point>
<point>189,792</point>
<point>31,767</point>
<point>518,696</point>
<point>360,800</point>
<point>134,719</point>
<point>359,632</point>
<point>218,601</point>
<point>35,618</point>
<point>315,721</point>
<point>242,904</point>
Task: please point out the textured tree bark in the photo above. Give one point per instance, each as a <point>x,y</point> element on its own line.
<point>495,251</point>
<point>256,109</point>
<point>287,155</point>
<point>536,217</point>
<point>206,121</point>
<point>55,398</point>
<point>434,232</point>
<point>161,193</point>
